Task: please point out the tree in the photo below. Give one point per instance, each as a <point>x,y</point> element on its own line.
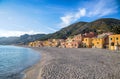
<point>116,29</point>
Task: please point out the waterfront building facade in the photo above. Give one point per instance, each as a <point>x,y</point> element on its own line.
<point>98,42</point>
<point>87,42</point>
<point>114,42</point>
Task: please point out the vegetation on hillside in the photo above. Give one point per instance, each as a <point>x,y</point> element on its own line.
<point>98,26</point>
<point>116,29</point>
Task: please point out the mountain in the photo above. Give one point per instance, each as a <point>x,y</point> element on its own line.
<point>104,25</point>
<point>98,26</point>
<point>65,32</point>
<point>23,39</point>
<point>8,40</point>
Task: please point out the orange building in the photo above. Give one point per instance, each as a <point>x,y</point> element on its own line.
<point>36,44</point>
<point>114,42</point>
<point>31,44</point>
<point>87,42</point>
<point>47,43</point>
<point>98,42</point>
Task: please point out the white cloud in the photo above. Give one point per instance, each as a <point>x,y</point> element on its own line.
<point>102,8</point>
<point>72,17</point>
<point>5,33</point>
<point>91,9</point>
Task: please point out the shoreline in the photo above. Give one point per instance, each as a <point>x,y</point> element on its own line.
<point>61,63</point>
<point>34,71</point>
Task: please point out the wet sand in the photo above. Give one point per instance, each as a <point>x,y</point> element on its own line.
<point>82,63</point>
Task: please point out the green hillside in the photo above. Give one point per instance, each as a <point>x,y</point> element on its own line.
<point>98,26</point>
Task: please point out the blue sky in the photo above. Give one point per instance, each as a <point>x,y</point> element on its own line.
<point>19,17</point>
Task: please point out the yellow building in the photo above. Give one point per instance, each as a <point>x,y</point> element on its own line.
<point>47,43</point>
<point>30,44</point>
<point>114,42</point>
<point>36,44</point>
<point>55,42</point>
<point>87,42</point>
<point>98,42</point>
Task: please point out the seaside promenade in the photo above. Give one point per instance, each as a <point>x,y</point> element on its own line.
<point>81,63</point>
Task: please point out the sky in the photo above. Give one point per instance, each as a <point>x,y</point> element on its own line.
<point>18,17</point>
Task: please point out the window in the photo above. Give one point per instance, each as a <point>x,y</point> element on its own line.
<point>116,38</point>
<point>112,44</point>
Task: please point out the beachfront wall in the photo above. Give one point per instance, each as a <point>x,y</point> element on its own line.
<point>98,42</point>
<point>114,42</point>
<point>87,42</point>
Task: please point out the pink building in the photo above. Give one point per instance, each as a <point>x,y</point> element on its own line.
<point>90,35</point>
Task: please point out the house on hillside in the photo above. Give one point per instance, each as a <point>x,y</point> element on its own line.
<point>90,34</point>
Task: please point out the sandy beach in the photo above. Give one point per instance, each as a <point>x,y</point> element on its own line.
<point>82,63</point>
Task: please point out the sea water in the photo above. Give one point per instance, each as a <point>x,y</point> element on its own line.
<point>14,60</point>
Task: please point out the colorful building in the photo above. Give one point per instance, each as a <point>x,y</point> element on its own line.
<point>62,44</point>
<point>36,44</point>
<point>31,44</point>
<point>114,42</point>
<point>106,38</point>
<point>78,38</point>
<point>87,42</point>
<point>68,42</point>
<point>90,35</point>
<point>75,44</point>
<point>55,42</point>
<point>98,42</point>
<point>47,43</point>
